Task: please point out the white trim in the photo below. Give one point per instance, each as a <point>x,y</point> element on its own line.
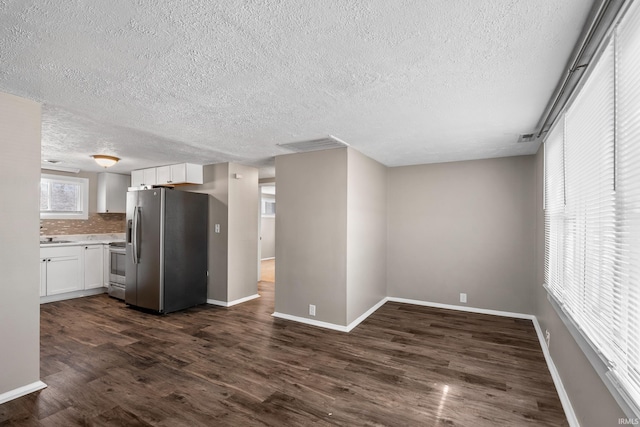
<point>332,326</point>
<point>311,322</point>
<point>366,314</point>
<point>21,391</point>
<point>267,259</point>
<point>72,295</point>
<point>463,308</point>
<point>234,302</point>
<point>557,381</point>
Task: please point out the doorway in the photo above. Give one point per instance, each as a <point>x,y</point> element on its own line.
<point>267,249</point>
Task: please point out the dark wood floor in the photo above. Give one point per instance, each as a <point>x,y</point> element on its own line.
<point>406,365</point>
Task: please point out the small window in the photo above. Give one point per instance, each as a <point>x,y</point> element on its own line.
<point>268,207</point>
<point>63,197</point>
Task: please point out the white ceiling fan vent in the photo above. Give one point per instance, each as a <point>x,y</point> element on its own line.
<point>314,144</point>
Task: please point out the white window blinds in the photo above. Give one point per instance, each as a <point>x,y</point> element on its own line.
<point>554,208</point>
<point>589,210</point>
<point>627,274</point>
<point>592,207</point>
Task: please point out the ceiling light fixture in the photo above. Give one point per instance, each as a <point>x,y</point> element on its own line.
<point>104,160</point>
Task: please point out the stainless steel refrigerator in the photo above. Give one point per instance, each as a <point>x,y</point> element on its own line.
<point>166,266</point>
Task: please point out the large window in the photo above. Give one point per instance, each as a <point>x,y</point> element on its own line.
<point>592,209</point>
<point>64,197</point>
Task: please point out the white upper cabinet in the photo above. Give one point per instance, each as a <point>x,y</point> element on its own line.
<point>137,178</point>
<point>181,173</point>
<point>112,192</point>
<point>163,174</point>
<point>143,177</point>
<point>150,176</point>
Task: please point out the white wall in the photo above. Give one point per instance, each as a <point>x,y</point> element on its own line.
<point>463,227</point>
<point>20,251</point>
<point>311,235</point>
<point>243,231</point>
<point>366,233</point>
<point>331,234</point>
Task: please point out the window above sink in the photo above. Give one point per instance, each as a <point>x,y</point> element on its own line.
<point>63,197</point>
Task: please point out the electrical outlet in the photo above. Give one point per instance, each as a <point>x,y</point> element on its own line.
<point>463,297</point>
<point>312,310</point>
<point>217,228</point>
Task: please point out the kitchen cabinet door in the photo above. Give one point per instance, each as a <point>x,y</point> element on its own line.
<point>106,265</point>
<point>112,192</point>
<point>163,175</point>
<point>93,264</point>
<point>63,274</point>
<point>179,173</point>
<point>150,176</point>
<point>43,277</point>
<point>172,174</point>
<point>137,178</point>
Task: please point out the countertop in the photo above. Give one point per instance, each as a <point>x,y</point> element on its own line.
<point>82,239</point>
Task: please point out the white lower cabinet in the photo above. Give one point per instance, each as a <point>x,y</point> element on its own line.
<point>106,265</point>
<point>43,277</point>
<point>66,269</point>
<point>60,270</point>
<point>93,266</point>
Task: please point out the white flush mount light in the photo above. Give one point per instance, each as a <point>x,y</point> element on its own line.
<point>105,161</point>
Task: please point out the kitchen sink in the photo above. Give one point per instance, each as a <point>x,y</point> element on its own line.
<point>49,242</point>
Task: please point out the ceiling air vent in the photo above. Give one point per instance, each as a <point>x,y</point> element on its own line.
<point>526,137</point>
<point>314,144</point>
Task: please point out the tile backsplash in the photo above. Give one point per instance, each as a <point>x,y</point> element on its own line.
<point>96,224</point>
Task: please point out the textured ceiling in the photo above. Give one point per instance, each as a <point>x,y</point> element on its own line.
<point>404,82</point>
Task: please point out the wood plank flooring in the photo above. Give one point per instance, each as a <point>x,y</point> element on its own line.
<point>106,364</point>
<point>268,270</point>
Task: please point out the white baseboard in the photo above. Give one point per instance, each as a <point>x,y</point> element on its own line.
<point>267,259</point>
<point>21,391</point>
<point>234,302</point>
<point>366,314</point>
<point>71,295</point>
<point>463,308</point>
<point>311,322</point>
<point>557,381</point>
<point>332,326</point>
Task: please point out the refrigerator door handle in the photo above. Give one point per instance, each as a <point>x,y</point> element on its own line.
<point>136,224</point>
